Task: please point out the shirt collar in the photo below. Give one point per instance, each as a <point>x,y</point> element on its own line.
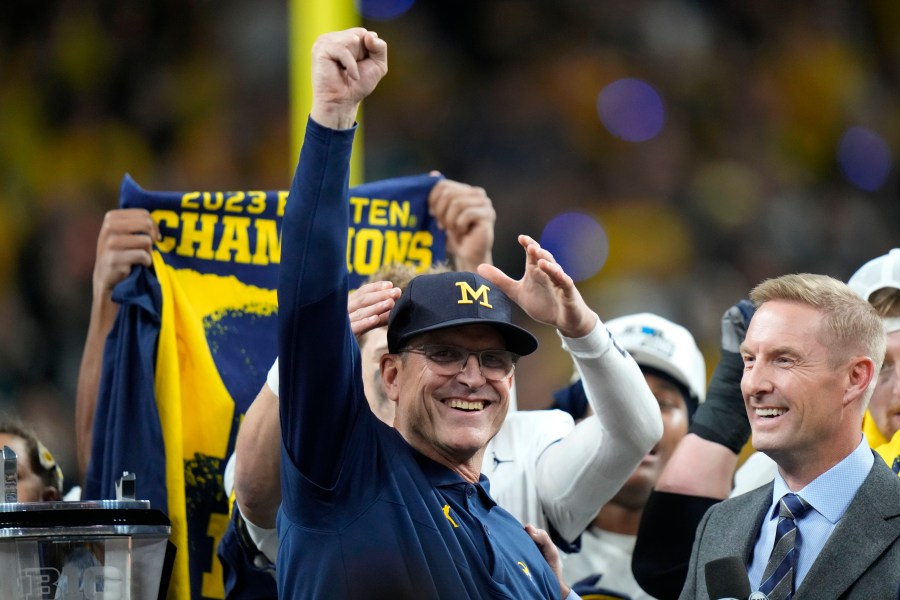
<point>440,476</point>
<point>831,492</point>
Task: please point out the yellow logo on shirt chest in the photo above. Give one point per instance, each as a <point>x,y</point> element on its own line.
<point>524,568</point>
<point>449,518</point>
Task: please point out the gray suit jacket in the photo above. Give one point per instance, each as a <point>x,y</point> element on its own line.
<point>860,560</point>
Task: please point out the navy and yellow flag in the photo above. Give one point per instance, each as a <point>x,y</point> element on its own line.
<point>195,337</point>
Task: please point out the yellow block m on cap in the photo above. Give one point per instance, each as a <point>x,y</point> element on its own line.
<point>442,300</point>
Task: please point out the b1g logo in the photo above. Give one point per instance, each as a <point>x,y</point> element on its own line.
<point>74,583</point>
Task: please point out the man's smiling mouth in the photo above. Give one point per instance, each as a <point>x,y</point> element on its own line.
<point>770,412</point>
<point>466,405</point>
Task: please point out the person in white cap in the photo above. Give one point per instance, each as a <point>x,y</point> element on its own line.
<point>878,282</point>
<point>675,371</point>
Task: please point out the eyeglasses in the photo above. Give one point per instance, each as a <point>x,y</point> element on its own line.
<point>495,365</point>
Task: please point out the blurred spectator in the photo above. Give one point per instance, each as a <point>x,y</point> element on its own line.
<point>39,478</point>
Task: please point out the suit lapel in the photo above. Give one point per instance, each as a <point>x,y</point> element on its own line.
<point>737,525</point>
<point>749,521</point>
<point>871,524</point>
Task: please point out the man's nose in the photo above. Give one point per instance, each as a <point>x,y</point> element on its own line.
<point>756,380</point>
<point>471,370</point>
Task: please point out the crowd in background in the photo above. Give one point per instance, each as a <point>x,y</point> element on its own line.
<point>742,182</point>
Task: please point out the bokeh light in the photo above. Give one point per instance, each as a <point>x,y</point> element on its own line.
<point>383,10</point>
<point>727,192</point>
<point>631,109</point>
<point>864,158</point>
<point>578,243</point>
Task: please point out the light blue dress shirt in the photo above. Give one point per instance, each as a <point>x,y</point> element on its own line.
<point>829,494</point>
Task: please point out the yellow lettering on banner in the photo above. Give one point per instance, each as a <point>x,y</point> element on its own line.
<point>358,204</point>
<point>396,246</point>
<point>213,585</point>
<point>234,202</point>
<point>367,251</point>
<point>400,214</point>
<point>381,213</point>
<point>191,200</point>
<point>210,204</point>
<point>282,201</point>
<point>420,250</point>
<point>169,219</point>
<point>194,235</point>
<point>190,235</point>
<point>351,233</point>
<point>234,246</point>
<point>257,203</point>
<point>268,243</point>
<point>234,239</point>
<point>378,211</point>
<point>253,202</point>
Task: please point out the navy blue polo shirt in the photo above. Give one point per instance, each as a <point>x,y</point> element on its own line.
<point>363,514</point>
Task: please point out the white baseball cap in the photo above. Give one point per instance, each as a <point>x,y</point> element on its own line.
<point>661,344</point>
<point>881,272</point>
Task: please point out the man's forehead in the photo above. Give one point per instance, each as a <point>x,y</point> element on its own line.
<point>784,325</point>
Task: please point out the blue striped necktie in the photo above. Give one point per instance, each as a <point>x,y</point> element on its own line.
<point>778,578</point>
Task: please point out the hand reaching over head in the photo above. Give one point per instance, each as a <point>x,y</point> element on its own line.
<point>545,291</point>
<point>369,306</point>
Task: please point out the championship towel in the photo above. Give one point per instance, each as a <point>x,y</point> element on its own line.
<point>195,337</point>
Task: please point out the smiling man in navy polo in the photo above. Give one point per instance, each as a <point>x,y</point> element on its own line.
<point>370,511</point>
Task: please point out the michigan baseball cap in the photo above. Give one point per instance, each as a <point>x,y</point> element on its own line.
<point>881,272</point>
<point>432,302</point>
<point>660,344</point>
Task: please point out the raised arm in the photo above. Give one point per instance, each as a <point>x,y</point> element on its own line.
<point>126,239</point>
<point>319,360</point>
<point>720,428</point>
<point>582,472</point>
<point>577,475</point>
<point>257,479</point>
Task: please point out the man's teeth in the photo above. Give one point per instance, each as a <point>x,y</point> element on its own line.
<point>466,405</point>
<point>770,412</point>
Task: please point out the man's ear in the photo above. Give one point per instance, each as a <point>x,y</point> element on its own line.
<point>859,376</point>
<point>390,372</point>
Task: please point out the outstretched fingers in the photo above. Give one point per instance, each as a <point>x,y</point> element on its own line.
<point>507,284</point>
